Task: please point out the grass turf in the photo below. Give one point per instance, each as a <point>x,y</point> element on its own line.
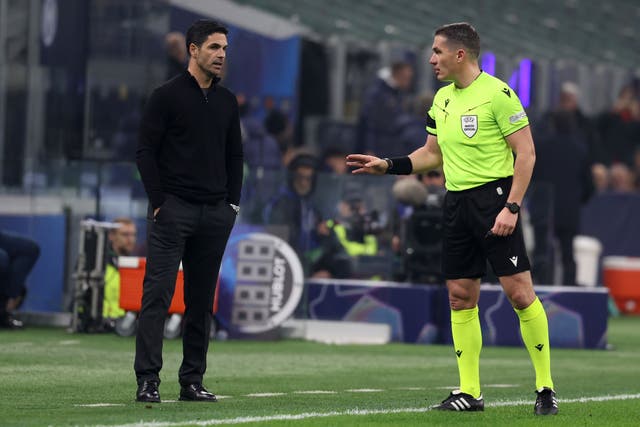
<point>47,375</point>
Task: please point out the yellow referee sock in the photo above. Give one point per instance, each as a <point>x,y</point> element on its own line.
<point>535,334</point>
<point>467,342</point>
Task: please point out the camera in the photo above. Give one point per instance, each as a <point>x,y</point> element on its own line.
<point>361,223</point>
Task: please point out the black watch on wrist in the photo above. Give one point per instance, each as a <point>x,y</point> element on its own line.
<point>514,208</point>
<point>389,164</point>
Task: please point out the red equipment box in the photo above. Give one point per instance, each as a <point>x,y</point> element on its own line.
<point>131,277</point>
<point>622,276</point>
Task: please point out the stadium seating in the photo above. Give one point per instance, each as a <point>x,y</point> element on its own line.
<point>572,29</point>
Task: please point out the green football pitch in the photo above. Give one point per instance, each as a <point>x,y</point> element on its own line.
<point>50,377</point>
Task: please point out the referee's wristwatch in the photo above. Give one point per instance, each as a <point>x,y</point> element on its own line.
<point>513,207</point>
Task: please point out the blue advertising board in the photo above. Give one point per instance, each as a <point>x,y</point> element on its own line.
<point>420,314</point>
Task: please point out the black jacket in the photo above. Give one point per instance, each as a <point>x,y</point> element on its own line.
<point>189,143</point>
<point>562,160</point>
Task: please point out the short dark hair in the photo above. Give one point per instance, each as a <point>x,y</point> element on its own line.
<point>201,29</point>
<point>462,33</point>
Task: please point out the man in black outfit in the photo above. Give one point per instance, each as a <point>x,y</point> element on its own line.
<point>190,159</point>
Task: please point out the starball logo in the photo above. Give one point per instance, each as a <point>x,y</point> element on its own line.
<point>269,282</point>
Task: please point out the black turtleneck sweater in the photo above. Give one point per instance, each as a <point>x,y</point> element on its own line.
<point>189,143</point>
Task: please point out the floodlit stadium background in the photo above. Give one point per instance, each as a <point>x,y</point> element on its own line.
<point>74,75</point>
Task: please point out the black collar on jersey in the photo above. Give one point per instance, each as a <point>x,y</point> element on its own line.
<point>214,81</point>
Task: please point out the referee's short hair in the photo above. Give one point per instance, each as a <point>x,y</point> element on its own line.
<point>462,33</point>
<point>201,29</point>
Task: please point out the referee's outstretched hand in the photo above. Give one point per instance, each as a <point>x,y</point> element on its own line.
<point>367,164</point>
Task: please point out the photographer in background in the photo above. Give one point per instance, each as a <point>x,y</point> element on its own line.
<point>351,235</point>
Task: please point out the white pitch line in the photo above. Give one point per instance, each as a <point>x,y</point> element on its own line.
<point>98,405</point>
<point>264,394</point>
<point>314,392</point>
<point>410,388</point>
<point>364,390</point>
<point>351,412</point>
<point>500,385</point>
<point>176,401</point>
<point>575,400</point>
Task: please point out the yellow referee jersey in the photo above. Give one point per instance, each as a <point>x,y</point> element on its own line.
<point>471,125</point>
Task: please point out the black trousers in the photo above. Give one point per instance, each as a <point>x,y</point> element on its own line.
<point>565,236</point>
<point>197,235</point>
<point>544,254</point>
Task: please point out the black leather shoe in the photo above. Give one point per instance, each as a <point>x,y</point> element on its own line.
<point>196,392</point>
<point>148,392</point>
<point>7,321</point>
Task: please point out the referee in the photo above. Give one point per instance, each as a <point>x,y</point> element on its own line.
<point>474,127</point>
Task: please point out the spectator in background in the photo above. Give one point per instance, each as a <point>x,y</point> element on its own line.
<point>600,177</point>
<point>627,106</point>
<point>292,205</point>
<point>636,167</point>
<point>122,242</point>
<point>384,112</point>
<point>261,150</point>
<point>620,128</point>
<point>313,240</point>
<point>563,163</point>
<point>621,179</point>
<point>333,161</point>
<point>125,138</point>
<point>277,125</point>
<point>262,158</point>
<point>18,255</point>
<point>177,58</point>
<point>412,125</point>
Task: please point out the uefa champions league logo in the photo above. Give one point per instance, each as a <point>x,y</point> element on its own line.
<point>269,282</point>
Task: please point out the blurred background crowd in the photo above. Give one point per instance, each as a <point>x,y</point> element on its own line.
<point>315,83</point>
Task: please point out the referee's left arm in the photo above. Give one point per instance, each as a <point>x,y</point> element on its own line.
<point>521,142</point>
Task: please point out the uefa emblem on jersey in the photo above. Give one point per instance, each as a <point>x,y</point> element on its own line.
<point>469,125</point>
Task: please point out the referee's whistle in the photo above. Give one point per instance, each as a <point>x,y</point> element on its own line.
<point>489,234</point>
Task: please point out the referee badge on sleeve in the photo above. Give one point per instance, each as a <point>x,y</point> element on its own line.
<point>469,125</point>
